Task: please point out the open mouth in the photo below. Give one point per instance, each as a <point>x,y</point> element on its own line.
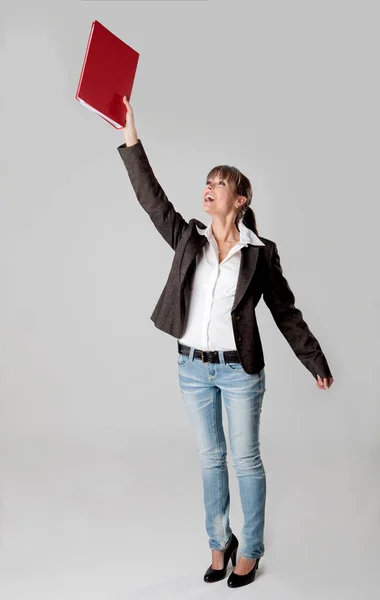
<point>209,199</point>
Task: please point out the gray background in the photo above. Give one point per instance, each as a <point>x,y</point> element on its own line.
<point>100,481</point>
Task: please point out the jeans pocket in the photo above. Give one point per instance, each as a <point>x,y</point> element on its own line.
<point>182,359</point>
<point>235,366</point>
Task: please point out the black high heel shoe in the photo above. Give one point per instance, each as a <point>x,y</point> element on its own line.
<point>235,580</point>
<point>211,574</point>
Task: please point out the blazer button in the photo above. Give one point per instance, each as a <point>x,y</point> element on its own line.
<point>239,339</point>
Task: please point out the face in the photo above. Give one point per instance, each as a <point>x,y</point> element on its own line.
<point>225,201</point>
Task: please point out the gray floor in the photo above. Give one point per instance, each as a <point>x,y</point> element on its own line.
<point>85,520</point>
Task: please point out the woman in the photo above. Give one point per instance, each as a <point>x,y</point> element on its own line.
<point>217,277</point>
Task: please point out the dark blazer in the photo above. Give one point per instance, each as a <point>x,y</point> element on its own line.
<point>260,274</point>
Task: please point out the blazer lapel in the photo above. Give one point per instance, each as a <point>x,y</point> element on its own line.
<point>249,255</point>
<point>194,244</point>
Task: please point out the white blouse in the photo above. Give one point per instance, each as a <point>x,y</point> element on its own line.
<point>209,325</point>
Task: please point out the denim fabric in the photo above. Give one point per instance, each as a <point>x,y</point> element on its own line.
<point>202,386</point>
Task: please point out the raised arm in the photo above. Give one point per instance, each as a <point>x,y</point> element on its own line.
<point>281,302</point>
<point>150,194</point>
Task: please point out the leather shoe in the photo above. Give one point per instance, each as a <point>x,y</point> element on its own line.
<point>235,580</point>
<point>211,574</point>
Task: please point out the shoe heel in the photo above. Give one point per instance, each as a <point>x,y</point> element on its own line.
<point>233,557</point>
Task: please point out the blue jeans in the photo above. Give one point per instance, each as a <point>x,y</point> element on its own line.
<point>202,385</point>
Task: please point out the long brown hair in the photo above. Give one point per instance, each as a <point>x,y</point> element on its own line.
<point>242,187</point>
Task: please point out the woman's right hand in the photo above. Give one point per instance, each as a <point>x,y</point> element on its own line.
<point>129,129</point>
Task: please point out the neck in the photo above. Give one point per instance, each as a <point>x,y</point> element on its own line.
<point>225,231</point>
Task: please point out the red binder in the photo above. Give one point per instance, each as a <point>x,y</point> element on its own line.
<point>108,73</point>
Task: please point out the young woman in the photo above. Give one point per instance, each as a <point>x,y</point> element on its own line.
<point>218,275</point>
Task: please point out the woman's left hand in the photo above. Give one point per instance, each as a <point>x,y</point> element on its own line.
<point>325,383</point>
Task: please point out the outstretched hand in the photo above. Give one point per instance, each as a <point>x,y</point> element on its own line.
<point>129,129</point>
<point>324,383</point>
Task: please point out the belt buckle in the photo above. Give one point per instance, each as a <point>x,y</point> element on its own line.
<point>202,352</point>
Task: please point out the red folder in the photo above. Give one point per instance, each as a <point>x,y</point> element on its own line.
<point>108,73</point>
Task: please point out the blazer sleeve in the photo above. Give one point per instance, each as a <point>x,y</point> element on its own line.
<point>281,302</point>
<point>168,222</point>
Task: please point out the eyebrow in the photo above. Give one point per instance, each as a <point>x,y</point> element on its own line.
<point>220,179</point>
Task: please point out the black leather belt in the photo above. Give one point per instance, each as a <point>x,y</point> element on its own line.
<point>209,356</point>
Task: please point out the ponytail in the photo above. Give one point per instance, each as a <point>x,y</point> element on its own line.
<point>249,220</point>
